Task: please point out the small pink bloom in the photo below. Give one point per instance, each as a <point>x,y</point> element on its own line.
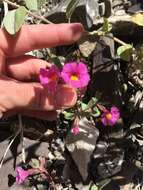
<point>75,130</point>
<point>21,175</point>
<point>49,77</point>
<point>75,74</point>
<point>110,117</point>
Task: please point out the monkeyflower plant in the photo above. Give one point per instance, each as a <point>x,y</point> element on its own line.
<point>76,75</point>
<point>37,167</point>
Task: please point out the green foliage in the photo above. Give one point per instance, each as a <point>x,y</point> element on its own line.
<point>32,4</point>
<point>92,102</point>
<point>84,106</point>
<point>14,20</point>
<point>95,112</point>
<point>107,27</point>
<point>93,187</point>
<point>9,22</point>
<point>90,109</point>
<point>34,163</point>
<point>68,115</point>
<point>71,7</point>
<point>20,14</point>
<point>41,2</point>
<point>138,19</point>
<point>125,52</point>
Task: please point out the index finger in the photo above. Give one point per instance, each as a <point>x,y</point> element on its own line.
<point>32,37</point>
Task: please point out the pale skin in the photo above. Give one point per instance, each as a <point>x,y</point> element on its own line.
<point>20,90</point>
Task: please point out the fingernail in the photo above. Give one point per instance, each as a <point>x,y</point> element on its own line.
<point>65,97</point>
<point>77,30</point>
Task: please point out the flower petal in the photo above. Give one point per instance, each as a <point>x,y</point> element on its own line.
<point>75,130</point>
<point>77,69</point>
<point>82,67</point>
<point>21,175</point>
<point>115,115</point>
<point>49,78</point>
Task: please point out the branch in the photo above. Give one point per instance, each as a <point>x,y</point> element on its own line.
<point>116,40</point>
<point>86,33</point>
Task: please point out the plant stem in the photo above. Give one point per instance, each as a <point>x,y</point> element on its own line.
<point>50,179</point>
<point>22,138</point>
<point>8,147</point>
<point>117,40</point>
<point>29,12</point>
<point>86,33</point>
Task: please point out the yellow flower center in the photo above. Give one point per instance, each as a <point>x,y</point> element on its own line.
<point>53,77</point>
<point>74,77</point>
<point>108,116</point>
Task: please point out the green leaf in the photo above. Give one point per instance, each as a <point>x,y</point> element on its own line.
<point>32,4</point>
<point>41,2</point>
<point>125,52</point>
<point>95,112</point>
<point>84,106</point>
<point>138,19</point>
<point>9,22</point>
<point>68,115</point>
<point>20,15</point>
<point>93,187</point>
<point>92,102</point>
<point>14,20</point>
<point>34,163</point>
<point>106,26</point>
<point>71,7</point>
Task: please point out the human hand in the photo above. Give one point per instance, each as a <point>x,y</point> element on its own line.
<point>20,90</point>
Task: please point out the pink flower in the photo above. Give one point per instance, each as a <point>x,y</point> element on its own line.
<point>75,130</point>
<point>75,126</point>
<point>49,77</point>
<point>75,74</point>
<point>21,175</point>
<point>110,117</point>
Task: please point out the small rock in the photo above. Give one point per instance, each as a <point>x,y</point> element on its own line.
<point>87,45</point>
<point>72,175</point>
<point>107,161</point>
<point>81,146</point>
